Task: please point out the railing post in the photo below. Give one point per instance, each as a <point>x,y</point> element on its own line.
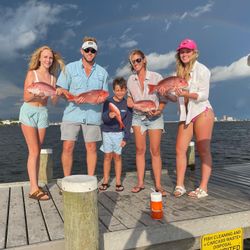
<point>46,166</point>
<point>191,155</point>
<point>80,212</point>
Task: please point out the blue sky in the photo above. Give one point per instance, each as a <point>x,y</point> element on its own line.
<point>220,28</point>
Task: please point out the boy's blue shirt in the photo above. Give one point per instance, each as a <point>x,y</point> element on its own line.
<point>111,124</point>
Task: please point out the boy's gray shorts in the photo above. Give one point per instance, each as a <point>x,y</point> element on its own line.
<point>70,131</point>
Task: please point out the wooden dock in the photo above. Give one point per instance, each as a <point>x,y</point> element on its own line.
<point>124,218</point>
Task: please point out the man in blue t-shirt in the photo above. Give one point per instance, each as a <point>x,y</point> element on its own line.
<point>82,76</point>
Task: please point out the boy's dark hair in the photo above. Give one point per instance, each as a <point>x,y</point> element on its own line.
<point>120,81</point>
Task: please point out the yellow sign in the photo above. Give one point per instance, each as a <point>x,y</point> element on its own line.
<point>227,240</point>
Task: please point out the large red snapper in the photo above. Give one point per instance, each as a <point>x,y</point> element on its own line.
<point>168,84</point>
<point>144,105</point>
<point>95,96</point>
<point>113,108</point>
<point>37,88</point>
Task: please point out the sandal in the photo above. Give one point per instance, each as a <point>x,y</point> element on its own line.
<point>119,188</point>
<point>137,189</point>
<point>104,187</point>
<point>198,193</point>
<point>42,190</point>
<point>179,191</point>
<point>163,192</point>
<point>39,195</point>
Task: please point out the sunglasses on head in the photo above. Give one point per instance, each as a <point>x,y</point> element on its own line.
<point>87,50</point>
<point>138,60</point>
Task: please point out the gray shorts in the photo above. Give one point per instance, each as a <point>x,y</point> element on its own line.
<point>70,131</point>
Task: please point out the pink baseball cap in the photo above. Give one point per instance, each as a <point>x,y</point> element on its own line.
<point>187,44</point>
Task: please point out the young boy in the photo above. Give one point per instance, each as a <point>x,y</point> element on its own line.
<point>115,132</point>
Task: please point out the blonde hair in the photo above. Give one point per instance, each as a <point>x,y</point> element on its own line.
<point>136,52</point>
<point>182,70</point>
<point>56,64</point>
<point>89,38</point>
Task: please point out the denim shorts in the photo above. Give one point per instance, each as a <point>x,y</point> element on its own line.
<point>111,142</point>
<point>70,131</point>
<point>146,123</point>
<point>33,116</point>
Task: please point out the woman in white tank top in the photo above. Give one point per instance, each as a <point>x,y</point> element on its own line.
<point>43,67</point>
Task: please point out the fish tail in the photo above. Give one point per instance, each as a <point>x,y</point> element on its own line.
<point>122,125</point>
<point>151,88</point>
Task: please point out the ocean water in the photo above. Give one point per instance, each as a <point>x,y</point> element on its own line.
<point>230,144</point>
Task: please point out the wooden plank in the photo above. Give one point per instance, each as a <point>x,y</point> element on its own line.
<point>4,201</point>
<point>119,213</point>
<point>16,235</point>
<point>36,227</point>
<point>127,200</point>
<point>52,219</point>
<point>107,219</point>
<point>57,198</point>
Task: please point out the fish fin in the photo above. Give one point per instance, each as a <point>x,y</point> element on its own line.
<point>151,88</point>
<point>69,96</point>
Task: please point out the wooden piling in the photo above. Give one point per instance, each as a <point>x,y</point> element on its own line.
<point>80,212</point>
<point>191,155</point>
<point>46,166</point>
<point>248,60</point>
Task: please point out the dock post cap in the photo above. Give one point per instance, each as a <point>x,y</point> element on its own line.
<point>191,143</point>
<point>79,183</point>
<point>46,151</point>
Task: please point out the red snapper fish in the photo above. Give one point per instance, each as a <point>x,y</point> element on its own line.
<point>92,97</point>
<point>144,105</point>
<point>37,88</point>
<point>167,85</point>
<point>113,108</point>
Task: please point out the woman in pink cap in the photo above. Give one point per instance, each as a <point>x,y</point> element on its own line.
<point>196,117</point>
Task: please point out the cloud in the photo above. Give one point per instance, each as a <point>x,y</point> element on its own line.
<point>167,25</point>
<point>8,89</point>
<point>134,6</point>
<point>155,62</point>
<point>238,69</point>
<point>128,44</point>
<point>23,26</point>
<point>145,18</point>
<point>125,40</point>
<point>198,11</point>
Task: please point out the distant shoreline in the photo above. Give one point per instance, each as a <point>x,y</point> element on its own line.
<point>17,123</point>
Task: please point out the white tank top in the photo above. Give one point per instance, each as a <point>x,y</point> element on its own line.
<point>37,80</point>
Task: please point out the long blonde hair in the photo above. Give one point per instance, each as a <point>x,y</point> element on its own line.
<point>182,70</point>
<point>57,60</point>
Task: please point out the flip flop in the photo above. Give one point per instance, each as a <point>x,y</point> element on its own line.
<point>137,189</point>
<point>38,195</point>
<point>119,188</point>
<point>104,186</point>
<point>198,193</point>
<point>179,191</point>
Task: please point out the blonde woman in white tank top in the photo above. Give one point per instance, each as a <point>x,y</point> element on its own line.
<point>43,67</point>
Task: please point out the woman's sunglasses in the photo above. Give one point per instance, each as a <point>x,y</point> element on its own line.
<point>138,60</point>
<point>87,50</point>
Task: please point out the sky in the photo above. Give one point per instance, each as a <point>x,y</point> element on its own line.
<point>220,28</point>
